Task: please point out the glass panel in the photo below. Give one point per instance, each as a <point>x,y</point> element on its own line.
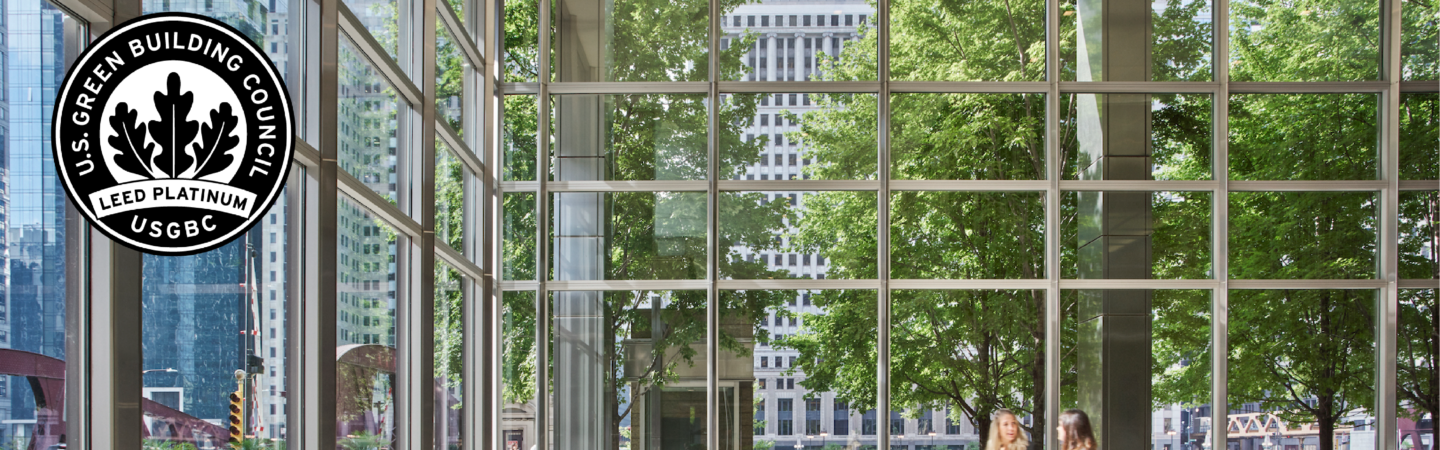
<point>1420,234</point>
<point>1120,44</point>
<point>459,7</point>
<point>627,369</point>
<point>798,136</point>
<point>631,40</point>
<point>1420,46</point>
<point>1296,41</point>
<point>517,371</point>
<point>450,72</point>
<point>449,198</point>
<point>967,136</point>
<point>518,139</point>
<point>519,247</point>
<point>1150,235</point>
<point>798,235</point>
<point>1419,136</point>
<point>247,16</point>
<point>214,324</point>
<point>368,123</point>
<point>1138,363</point>
<point>522,41</point>
<point>1304,137</point>
<point>630,137</point>
<point>382,19</point>
<point>1137,136</point>
<point>366,330</point>
<point>1302,358</point>
<point>954,235</point>
<point>967,41</point>
<point>975,352</point>
<point>802,40</point>
<point>1415,391</point>
<point>809,359</point>
<point>628,235</point>
<point>449,357</point>
<point>1302,235</point>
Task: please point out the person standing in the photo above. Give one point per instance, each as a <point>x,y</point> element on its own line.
<point>1074,431</point>
<point>1005,433</point>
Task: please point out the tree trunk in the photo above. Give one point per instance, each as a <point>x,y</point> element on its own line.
<point>1327,423</point>
<point>982,426</point>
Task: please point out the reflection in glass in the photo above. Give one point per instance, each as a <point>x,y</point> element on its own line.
<point>967,137</point>
<point>1117,42</point>
<point>798,136</point>
<point>1302,235</point>
<point>1419,136</point>
<point>976,351</point>
<point>630,137</point>
<point>517,138</point>
<point>368,126</point>
<point>1138,362</point>
<point>450,176</point>
<point>382,19</point>
<point>1301,357</point>
<point>1136,235</point>
<point>628,235</point>
<point>1416,392</point>
<point>955,235</point>
<point>1420,42</point>
<point>1419,234</point>
<point>798,234</point>
<point>626,369</point>
<point>518,248</point>
<point>517,371</point>
<point>631,40</point>
<point>366,330</point>
<point>1304,137</point>
<point>1296,41</point>
<point>449,357</point>
<point>803,40</point>
<point>967,41</point>
<point>450,72</point>
<point>1136,136</point>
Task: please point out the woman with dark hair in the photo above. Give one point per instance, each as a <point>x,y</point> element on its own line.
<point>1074,431</point>
<point>1005,432</point>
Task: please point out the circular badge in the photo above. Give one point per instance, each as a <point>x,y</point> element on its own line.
<point>173,133</point>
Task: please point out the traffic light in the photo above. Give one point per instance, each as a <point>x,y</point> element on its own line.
<point>237,418</point>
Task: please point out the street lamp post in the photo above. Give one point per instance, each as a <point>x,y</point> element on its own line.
<point>1172,438</point>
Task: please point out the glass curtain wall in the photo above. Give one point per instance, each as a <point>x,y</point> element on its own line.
<point>1177,216</point>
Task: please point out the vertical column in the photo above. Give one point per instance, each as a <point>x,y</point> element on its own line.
<point>1220,238</point>
<point>1387,326</point>
<point>771,57</point>
<point>416,346</point>
<point>484,352</point>
<point>825,45</point>
<point>713,400</point>
<point>882,236</point>
<point>318,396</point>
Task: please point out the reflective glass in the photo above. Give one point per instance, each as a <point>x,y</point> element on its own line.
<point>382,19</point>
<point>1136,235</point>
<point>1420,42</point>
<point>1420,234</point>
<point>517,138</point>
<point>808,357</point>
<point>796,234</point>
<point>451,68</point>
<point>449,373</point>
<point>967,41</point>
<point>1297,41</point>
<point>1120,43</point>
<point>1419,136</point>
<point>955,235</point>
<point>630,137</point>
<point>803,40</point>
<point>450,177</point>
<point>967,137</point>
<point>975,351</point>
<point>368,112</point>
<point>1138,363</point>
<point>366,329</point>
<point>1304,137</point>
<point>1302,235</point>
<point>518,411</point>
<point>1417,395</point>
<point>628,235</point>
<point>631,40</point>
<point>522,41</point>
<point>518,248</point>
<point>797,136</point>
<point>1297,358</point>
<point>1137,136</point>
<point>628,367</point>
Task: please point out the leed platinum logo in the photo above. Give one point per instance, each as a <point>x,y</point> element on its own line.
<point>173,134</point>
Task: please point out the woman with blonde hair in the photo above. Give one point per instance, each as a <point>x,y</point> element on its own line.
<point>1005,433</point>
<point>1074,431</point>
